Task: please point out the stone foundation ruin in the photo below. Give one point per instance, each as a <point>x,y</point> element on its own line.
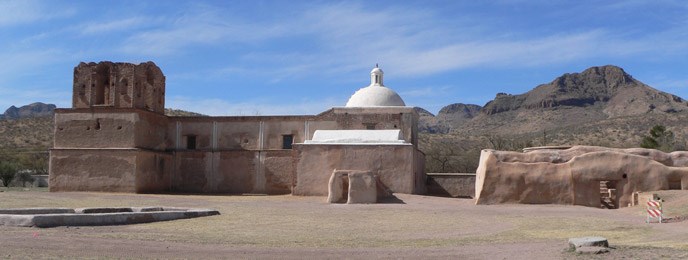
<point>54,217</point>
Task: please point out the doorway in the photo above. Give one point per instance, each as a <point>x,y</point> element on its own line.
<point>608,195</point>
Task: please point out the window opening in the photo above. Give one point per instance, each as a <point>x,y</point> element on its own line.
<point>191,142</point>
<point>369,126</point>
<point>287,141</point>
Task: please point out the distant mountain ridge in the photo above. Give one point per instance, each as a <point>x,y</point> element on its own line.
<point>593,95</point>
<point>620,93</point>
<point>32,110</point>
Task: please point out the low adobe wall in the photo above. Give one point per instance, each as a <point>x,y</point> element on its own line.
<point>573,176</point>
<point>457,185</point>
<point>393,164</point>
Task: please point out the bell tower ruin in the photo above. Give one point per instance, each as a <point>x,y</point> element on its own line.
<point>119,85</point>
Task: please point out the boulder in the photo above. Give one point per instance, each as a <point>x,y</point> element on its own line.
<point>588,242</point>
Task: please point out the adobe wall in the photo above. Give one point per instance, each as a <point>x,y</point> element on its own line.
<point>419,172</point>
<point>153,172</point>
<point>457,185</point>
<point>394,164</point>
<point>113,170</point>
<point>263,172</point>
<point>573,176</point>
<point>240,133</point>
<point>109,128</point>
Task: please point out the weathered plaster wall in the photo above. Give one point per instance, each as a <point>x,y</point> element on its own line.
<point>279,171</point>
<point>151,131</point>
<point>109,128</point>
<point>419,170</point>
<point>153,172</point>
<point>123,170</point>
<point>265,172</point>
<point>315,162</point>
<point>573,176</point>
<point>238,133</point>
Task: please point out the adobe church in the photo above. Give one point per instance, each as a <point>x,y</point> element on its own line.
<point>116,138</point>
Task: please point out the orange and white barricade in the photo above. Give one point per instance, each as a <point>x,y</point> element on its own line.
<point>654,210</point>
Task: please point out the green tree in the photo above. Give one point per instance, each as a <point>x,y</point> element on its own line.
<point>660,138</point>
<point>7,172</point>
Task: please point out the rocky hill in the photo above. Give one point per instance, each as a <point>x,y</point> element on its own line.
<point>37,109</point>
<point>603,97</point>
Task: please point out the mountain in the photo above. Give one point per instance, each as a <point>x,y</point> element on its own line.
<point>599,106</point>
<point>449,117</point>
<point>37,109</point>
<point>618,93</point>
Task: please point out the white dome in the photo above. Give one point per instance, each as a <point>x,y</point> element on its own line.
<point>375,96</point>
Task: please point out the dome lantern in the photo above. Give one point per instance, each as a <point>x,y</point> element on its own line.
<point>376,94</point>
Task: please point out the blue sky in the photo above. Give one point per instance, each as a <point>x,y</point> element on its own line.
<point>303,57</point>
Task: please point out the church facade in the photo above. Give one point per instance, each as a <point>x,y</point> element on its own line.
<point>116,138</point>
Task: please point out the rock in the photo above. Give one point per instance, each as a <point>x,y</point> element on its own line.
<point>594,250</point>
<point>588,242</point>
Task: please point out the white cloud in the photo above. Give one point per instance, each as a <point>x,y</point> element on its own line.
<point>412,44</point>
<point>22,96</point>
<point>114,25</point>
<point>425,92</point>
<point>27,11</point>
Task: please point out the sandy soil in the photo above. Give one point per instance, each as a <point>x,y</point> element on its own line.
<point>290,227</point>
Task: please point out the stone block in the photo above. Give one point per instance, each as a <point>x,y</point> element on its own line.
<point>362,188</point>
<point>588,242</point>
<point>336,191</point>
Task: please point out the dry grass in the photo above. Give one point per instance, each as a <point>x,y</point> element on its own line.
<point>308,222</point>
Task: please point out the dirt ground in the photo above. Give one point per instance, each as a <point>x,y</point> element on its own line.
<point>292,227</point>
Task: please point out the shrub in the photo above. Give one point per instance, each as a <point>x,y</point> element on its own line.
<point>25,177</point>
<point>7,173</point>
